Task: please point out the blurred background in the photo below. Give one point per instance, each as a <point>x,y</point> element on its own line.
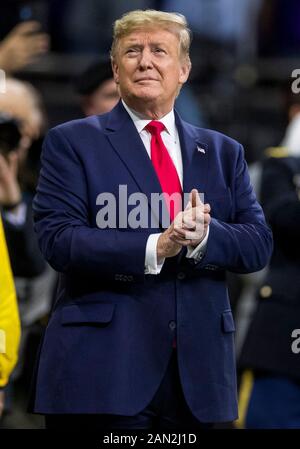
<point>55,54</point>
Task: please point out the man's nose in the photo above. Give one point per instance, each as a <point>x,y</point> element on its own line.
<point>146,60</point>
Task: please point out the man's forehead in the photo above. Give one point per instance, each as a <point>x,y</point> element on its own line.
<point>157,36</point>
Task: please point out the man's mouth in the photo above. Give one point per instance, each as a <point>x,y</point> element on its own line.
<point>145,79</point>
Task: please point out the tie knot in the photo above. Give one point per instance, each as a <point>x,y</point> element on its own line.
<point>155,127</point>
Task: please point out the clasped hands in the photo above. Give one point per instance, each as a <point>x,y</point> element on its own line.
<point>189,228</point>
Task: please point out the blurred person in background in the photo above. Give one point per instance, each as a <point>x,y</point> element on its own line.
<point>22,102</point>
<point>9,320</point>
<point>22,125</point>
<point>15,205</point>
<point>22,46</point>
<point>270,383</point>
<point>97,89</point>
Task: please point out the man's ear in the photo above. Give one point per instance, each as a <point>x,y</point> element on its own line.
<point>115,69</point>
<point>184,71</point>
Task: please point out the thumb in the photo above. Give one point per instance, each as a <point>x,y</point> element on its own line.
<point>27,27</point>
<point>195,198</point>
<point>207,208</point>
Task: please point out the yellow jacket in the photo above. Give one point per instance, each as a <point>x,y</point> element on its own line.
<point>10,328</point>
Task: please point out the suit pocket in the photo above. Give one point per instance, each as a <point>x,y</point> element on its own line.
<point>228,321</point>
<point>87,314</point>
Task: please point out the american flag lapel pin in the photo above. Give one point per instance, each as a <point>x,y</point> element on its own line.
<point>200,149</point>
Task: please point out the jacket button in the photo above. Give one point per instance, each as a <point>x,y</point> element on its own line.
<point>265,291</point>
<point>172,325</point>
<point>181,275</point>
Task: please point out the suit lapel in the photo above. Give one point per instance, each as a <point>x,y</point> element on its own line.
<point>194,157</point>
<point>131,150</point>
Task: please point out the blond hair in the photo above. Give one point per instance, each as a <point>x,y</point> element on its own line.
<point>150,18</point>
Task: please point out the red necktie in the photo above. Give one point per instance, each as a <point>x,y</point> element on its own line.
<point>165,170</point>
<point>164,167</point>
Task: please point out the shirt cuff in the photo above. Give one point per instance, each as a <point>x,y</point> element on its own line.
<point>198,252</point>
<point>152,265</point>
<point>17,218</point>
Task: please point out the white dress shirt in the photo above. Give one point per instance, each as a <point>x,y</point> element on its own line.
<point>171,140</point>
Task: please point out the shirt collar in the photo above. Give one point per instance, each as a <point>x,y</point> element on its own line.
<point>140,122</point>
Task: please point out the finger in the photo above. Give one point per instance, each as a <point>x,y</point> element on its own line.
<point>189,224</point>
<point>189,235</point>
<point>186,242</point>
<point>184,223</point>
<point>195,198</point>
<point>201,213</point>
<point>177,223</point>
<point>207,220</point>
<point>191,217</point>
<point>180,241</point>
<point>207,217</point>
<point>182,234</point>
<point>28,27</point>
<point>179,233</point>
<point>196,202</point>
<point>189,213</point>
<point>207,208</point>
<point>38,39</point>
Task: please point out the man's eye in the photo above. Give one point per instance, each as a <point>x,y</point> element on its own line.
<point>131,50</point>
<point>159,50</point>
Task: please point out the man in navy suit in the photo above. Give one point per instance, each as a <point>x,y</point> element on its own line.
<point>141,334</point>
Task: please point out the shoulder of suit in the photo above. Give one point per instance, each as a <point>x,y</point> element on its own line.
<point>276,152</point>
<point>211,136</point>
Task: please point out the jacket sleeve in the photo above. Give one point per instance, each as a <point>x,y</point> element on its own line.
<point>245,244</point>
<point>66,237</point>
<point>9,316</point>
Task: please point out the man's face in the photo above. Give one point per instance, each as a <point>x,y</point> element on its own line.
<point>102,100</point>
<point>148,68</point>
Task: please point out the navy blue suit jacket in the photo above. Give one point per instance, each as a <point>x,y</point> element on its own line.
<point>109,339</point>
